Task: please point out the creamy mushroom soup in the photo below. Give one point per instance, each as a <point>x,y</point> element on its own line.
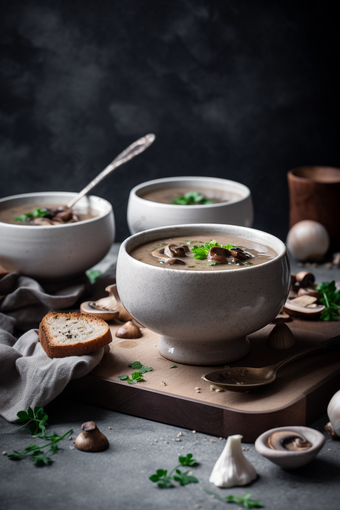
<point>203,253</point>
<point>45,214</point>
<point>168,195</point>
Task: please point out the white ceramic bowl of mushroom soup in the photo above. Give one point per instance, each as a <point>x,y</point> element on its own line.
<point>203,309</point>
<point>57,251</point>
<point>151,204</point>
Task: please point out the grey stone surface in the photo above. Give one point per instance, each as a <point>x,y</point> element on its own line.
<point>119,477</point>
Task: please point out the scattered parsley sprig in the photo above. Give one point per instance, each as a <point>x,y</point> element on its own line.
<point>241,500</point>
<point>201,252</point>
<point>191,198</point>
<point>136,376</point>
<point>164,480</point>
<point>37,213</point>
<point>331,300</point>
<point>36,420</point>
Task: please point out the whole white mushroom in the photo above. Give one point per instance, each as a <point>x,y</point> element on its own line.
<point>308,240</point>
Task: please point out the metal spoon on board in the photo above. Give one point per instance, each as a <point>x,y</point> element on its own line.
<point>130,152</point>
<point>249,378</point>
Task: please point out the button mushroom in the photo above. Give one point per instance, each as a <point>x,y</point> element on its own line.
<point>305,279</point>
<point>172,250</point>
<point>219,255</point>
<point>288,440</point>
<point>160,254</point>
<point>129,330</point>
<point>91,439</point>
<point>239,254</point>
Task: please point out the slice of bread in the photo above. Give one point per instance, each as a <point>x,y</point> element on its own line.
<point>72,334</point>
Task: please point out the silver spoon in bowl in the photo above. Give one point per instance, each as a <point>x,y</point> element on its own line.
<point>130,152</point>
<point>250,378</point>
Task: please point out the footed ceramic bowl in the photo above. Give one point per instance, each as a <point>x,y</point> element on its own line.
<point>235,209</point>
<point>291,459</point>
<point>57,252</point>
<point>203,317</point>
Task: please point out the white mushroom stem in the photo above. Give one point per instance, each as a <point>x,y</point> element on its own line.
<point>232,468</point>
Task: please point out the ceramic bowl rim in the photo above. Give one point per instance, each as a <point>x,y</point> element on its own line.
<point>141,186</point>
<point>38,194</point>
<point>262,448</point>
<point>259,267</point>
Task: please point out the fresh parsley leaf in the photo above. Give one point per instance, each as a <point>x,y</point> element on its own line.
<point>201,252</point>
<point>93,275</point>
<point>136,364</point>
<point>241,500</point>
<point>37,420</point>
<point>191,198</point>
<point>164,480</point>
<point>184,478</point>
<point>136,376</point>
<point>174,366</point>
<point>187,460</point>
<point>37,213</point>
<point>331,300</point>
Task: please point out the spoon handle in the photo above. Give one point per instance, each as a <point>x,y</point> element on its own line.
<point>130,152</point>
<point>332,342</point>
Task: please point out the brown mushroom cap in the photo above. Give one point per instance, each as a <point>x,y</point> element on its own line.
<point>91,439</point>
<point>172,250</point>
<point>129,330</point>
<point>305,279</point>
<point>239,254</point>
<point>219,255</point>
<point>288,440</point>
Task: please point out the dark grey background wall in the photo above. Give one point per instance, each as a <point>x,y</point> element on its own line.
<point>240,89</point>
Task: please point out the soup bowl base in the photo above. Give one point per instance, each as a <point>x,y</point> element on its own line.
<point>203,353</point>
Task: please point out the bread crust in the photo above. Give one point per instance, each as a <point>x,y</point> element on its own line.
<point>54,349</point>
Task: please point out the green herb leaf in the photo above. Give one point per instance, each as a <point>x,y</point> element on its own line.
<point>331,300</point>
<point>174,366</point>
<point>123,377</point>
<point>163,479</point>
<point>241,500</point>
<point>37,213</point>
<point>201,252</point>
<point>191,198</point>
<point>187,460</point>
<point>93,275</point>
<point>184,478</point>
<point>37,420</point>
<point>136,364</point>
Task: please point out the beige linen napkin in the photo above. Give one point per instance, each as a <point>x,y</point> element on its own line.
<point>28,377</point>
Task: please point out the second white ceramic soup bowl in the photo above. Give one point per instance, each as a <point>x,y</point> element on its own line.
<point>144,214</point>
<point>58,252</point>
<point>203,317</point>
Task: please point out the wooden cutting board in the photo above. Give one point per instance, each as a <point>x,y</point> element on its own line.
<point>170,395</point>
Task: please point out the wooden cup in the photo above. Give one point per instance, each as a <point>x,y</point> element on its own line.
<point>314,194</point>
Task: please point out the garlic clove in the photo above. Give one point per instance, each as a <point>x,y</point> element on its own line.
<point>333,411</point>
<point>281,337</point>
<point>232,468</point>
<point>308,240</point>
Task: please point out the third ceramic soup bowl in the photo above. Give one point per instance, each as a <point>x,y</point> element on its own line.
<point>150,204</point>
<point>203,316</point>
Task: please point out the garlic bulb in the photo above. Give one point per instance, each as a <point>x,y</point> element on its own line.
<point>333,411</point>
<point>232,468</point>
<point>308,240</point>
